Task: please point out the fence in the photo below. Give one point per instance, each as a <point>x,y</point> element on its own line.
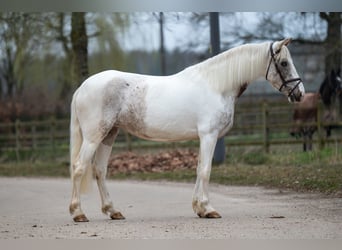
<point>270,124</point>
<point>263,125</point>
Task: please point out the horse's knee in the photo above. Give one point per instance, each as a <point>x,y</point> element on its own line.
<point>204,174</point>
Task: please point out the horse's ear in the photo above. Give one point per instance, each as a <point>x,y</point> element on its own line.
<point>280,44</point>
<point>286,41</point>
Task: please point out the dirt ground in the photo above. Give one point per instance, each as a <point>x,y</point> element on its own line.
<point>38,209</point>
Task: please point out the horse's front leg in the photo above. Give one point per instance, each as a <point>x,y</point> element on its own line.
<point>200,200</point>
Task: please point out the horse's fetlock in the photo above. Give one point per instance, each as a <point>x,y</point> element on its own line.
<point>107,208</point>
<point>73,206</point>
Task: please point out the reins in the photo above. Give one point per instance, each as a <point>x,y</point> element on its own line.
<point>284,82</point>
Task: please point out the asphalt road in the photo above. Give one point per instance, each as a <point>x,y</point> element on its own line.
<point>38,209</point>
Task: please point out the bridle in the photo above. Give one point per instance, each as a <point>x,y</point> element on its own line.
<point>284,82</point>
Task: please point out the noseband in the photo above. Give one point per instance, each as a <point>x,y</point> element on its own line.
<point>284,82</point>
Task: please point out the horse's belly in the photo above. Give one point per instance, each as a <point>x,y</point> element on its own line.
<point>159,126</point>
<point>168,129</point>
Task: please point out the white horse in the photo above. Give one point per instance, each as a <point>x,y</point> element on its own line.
<point>196,103</point>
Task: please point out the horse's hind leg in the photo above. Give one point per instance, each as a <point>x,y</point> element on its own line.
<point>310,141</point>
<point>101,161</point>
<point>81,167</point>
<point>304,146</point>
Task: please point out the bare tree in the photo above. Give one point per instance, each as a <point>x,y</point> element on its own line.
<point>333,45</point>
<point>332,42</point>
<point>162,43</point>
<point>20,37</point>
<point>108,52</point>
<point>73,31</point>
<point>79,42</point>
<point>74,42</point>
<point>57,24</point>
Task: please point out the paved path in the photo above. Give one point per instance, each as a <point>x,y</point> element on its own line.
<point>38,208</point>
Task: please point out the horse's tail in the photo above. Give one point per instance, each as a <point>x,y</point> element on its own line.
<point>76,140</point>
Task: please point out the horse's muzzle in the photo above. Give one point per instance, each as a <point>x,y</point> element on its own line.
<point>297,92</point>
<point>295,98</point>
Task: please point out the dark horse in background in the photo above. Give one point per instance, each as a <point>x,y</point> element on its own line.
<point>305,113</point>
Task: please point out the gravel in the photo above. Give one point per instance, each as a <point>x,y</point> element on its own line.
<point>38,209</point>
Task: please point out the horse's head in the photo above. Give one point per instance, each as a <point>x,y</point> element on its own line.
<point>281,72</point>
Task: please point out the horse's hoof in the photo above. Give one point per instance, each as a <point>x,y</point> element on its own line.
<point>211,215</point>
<point>81,218</point>
<point>117,216</point>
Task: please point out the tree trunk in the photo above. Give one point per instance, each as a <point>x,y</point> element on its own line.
<point>162,44</point>
<point>79,41</point>
<point>332,41</point>
<point>333,45</point>
<point>9,74</point>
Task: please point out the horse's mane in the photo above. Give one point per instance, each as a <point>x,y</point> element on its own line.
<point>230,69</point>
<point>328,88</point>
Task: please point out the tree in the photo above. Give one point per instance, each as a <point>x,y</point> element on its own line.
<point>74,42</point>
<point>108,53</point>
<point>20,38</point>
<point>333,46</point>
<point>332,42</point>
<point>79,41</point>
<point>162,44</point>
<point>57,24</point>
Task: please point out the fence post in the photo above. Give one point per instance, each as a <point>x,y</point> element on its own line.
<point>34,136</point>
<point>128,141</point>
<point>52,134</point>
<point>266,144</point>
<point>17,139</point>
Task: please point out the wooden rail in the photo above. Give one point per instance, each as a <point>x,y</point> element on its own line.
<point>264,125</point>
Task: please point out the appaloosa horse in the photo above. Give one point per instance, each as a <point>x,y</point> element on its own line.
<point>305,113</point>
<point>196,103</point>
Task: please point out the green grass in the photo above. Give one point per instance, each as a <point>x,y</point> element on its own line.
<point>309,178</point>
<point>284,168</point>
<point>36,169</point>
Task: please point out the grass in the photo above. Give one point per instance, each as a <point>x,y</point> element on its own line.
<point>36,169</point>
<point>283,168</point>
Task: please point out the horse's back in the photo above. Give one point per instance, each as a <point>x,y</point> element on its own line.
<point>113,77</point>
<point>309,101</point>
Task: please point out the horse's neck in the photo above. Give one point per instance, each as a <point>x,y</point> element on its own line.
<point>229,71</point>
<point>328,96</point>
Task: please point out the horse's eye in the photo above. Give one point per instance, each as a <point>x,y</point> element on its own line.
<point>283,63</point>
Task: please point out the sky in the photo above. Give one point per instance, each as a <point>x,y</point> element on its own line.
<point>178,32</point>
